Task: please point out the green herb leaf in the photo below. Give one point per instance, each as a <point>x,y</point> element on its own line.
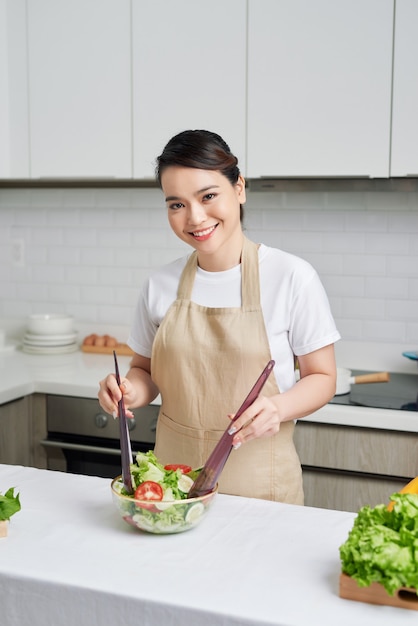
<point>9,504</point>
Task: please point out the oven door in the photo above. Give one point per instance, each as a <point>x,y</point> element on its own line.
<point>92,456</point>
<point>82,439</point>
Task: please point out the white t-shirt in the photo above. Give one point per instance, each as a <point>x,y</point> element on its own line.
<point>295,306</point>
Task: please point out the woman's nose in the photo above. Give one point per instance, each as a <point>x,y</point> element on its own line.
<point>197,213</point>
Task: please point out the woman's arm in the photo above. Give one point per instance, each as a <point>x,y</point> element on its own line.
<point>315,388</point>
<point>137,387</point>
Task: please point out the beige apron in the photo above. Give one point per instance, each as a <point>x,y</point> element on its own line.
<point>205,361</point>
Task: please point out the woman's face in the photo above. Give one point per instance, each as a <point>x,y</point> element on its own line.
<point>204,211</point>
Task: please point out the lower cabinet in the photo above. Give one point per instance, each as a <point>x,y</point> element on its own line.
<point>22,426</point>
<point>15,432</point>
<point>345,468</point>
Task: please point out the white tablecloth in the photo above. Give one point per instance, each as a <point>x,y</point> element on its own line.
<point>69,559</point>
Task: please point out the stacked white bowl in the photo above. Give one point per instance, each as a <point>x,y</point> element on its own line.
<point>50,333</point>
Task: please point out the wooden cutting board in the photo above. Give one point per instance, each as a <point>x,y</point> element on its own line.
<point>376,594</point>
<point>121,349</point>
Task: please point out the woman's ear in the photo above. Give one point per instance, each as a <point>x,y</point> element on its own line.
<point>240,187</point>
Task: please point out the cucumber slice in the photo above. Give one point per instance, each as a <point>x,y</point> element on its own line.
<point>195,512</point>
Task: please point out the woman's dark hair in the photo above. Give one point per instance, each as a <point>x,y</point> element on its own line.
<point>201,149</point>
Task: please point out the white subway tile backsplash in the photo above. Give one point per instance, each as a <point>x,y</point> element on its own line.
<point>385,287</point>
<point>79,237</point>
<point>95,218</point>
<point>301,200</point>
<point>411,334</point>
<point>364,265</point>
<point>351,200</point>
<point>386,243</point>
<point>402,310</point>
<point>114,198</point>
<point>46,236</point>
<point>88,251</point>
<point>344,242</point>
<point>403,222</point>
<point>405,265</point>
<point>64,293</point>
<point>63,255</point>
<point>95,294</point>
<point>324,221</point>
<point>113,237</point>
<point>363,308</point>
<point>48,274</point>
<point>413,289</point>
<point>30,291</point>
<point>98,257</point>
<point>344,286</point>
<point>80,275</point>
<point>364,222</point>
<point>384,201</point>
<point>384,331</point>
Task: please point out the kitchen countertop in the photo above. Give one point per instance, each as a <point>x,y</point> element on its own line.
<point>70,559</point>
<point>74,374</point>
<point>78,374</point>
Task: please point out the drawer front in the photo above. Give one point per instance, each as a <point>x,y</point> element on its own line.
<point>345,492</point>
<point>367,450</point>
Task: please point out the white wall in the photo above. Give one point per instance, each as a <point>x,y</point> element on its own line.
<point>87,252</point>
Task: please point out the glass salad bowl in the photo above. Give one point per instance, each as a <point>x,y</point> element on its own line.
<point>161,517</point>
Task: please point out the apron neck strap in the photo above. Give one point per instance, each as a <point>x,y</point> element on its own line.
<point>250,283</point>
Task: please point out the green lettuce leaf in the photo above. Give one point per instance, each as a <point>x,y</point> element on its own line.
<point>382,546</point>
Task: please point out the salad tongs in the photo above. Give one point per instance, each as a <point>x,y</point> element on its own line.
<point>209,474</point>
<point>125,443</point>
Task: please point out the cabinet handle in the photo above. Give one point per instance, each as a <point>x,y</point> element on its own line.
<point>79,446</point>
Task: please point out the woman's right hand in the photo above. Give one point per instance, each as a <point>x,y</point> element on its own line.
<point>110,394</point>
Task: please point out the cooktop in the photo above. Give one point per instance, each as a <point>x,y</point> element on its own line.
<point>400,393</point>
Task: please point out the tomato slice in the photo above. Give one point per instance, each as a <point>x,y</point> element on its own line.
<point>149,490</point>
<point>185,469</point>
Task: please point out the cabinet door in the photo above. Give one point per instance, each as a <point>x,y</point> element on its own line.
<point>319,87</point>
<point>79,88</point>
<point>14,117</point>
<point>188,72</point>
<point>405,90</point>
<point>15,433</point>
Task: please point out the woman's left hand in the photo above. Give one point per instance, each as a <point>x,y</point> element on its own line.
<point>261,419</point>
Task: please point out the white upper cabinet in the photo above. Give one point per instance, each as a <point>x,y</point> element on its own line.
<point>319,87</point>
<point>79,88</point>
<point>14,132</point>
<point>405,91</point>
<point>189,71</point>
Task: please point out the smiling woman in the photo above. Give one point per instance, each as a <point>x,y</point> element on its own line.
<point>206,325</point>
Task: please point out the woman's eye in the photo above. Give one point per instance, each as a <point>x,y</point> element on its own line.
<point>209,196</point>
<point>175,205</point>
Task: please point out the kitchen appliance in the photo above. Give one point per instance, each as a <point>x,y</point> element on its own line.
<point>83,439</point>
<point>400,393</point>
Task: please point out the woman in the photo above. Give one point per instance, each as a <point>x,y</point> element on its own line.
<point>207,324</point>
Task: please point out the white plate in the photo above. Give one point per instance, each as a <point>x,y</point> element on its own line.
<point>30,337</point>
<point>50,349</point>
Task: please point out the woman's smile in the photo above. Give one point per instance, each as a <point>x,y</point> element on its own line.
<point>203,235</point>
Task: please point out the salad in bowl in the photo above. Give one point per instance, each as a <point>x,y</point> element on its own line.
<point>160,502</point>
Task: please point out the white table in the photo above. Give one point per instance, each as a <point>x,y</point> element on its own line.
<point>69,559</point>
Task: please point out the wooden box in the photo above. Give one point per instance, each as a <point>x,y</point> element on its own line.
<point>404,598</point>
